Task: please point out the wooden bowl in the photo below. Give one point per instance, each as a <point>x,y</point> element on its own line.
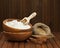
<point>10,29</point>
<point>21,36</point>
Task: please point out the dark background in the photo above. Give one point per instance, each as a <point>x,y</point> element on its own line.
<point>48,11</point>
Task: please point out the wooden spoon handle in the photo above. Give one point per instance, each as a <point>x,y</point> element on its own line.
<point>32,15</point>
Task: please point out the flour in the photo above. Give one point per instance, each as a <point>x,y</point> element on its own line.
<point>17,24</point>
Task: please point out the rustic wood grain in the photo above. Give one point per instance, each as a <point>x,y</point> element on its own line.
<point>2,41</point>
<point>57,42</point>
<point>51,43</point>
<point>5,45</point>
<point>21,45</point>
<point>10,45</point>
<point>15,45</point>
<point>44,45</point>
<point>38,46</point>
<point>28,44</point>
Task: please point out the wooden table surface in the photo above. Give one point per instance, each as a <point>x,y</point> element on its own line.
<point>51,43</point>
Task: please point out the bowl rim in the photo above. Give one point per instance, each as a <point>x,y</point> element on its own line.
<point>17,33</point>
<point>10,19</point>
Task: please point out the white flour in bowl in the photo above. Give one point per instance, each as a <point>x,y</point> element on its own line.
<point>18,25</point>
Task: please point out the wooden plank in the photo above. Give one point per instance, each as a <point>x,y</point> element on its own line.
<point>2,41</point>
<point>33,45</point>
<point>28,44</point>
<point>15,45</point>
<point>5,44</point>
<point>10,45</point>
<point>57,42</point>
<point>21,45</point>
<point>53,43</point>
<point>44,45</point>
<point>1,35</point>
<point>38,46</point>
<point>49,45</point>
<point>57,35</point>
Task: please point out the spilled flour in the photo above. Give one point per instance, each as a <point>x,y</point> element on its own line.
<point>17,24</point>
